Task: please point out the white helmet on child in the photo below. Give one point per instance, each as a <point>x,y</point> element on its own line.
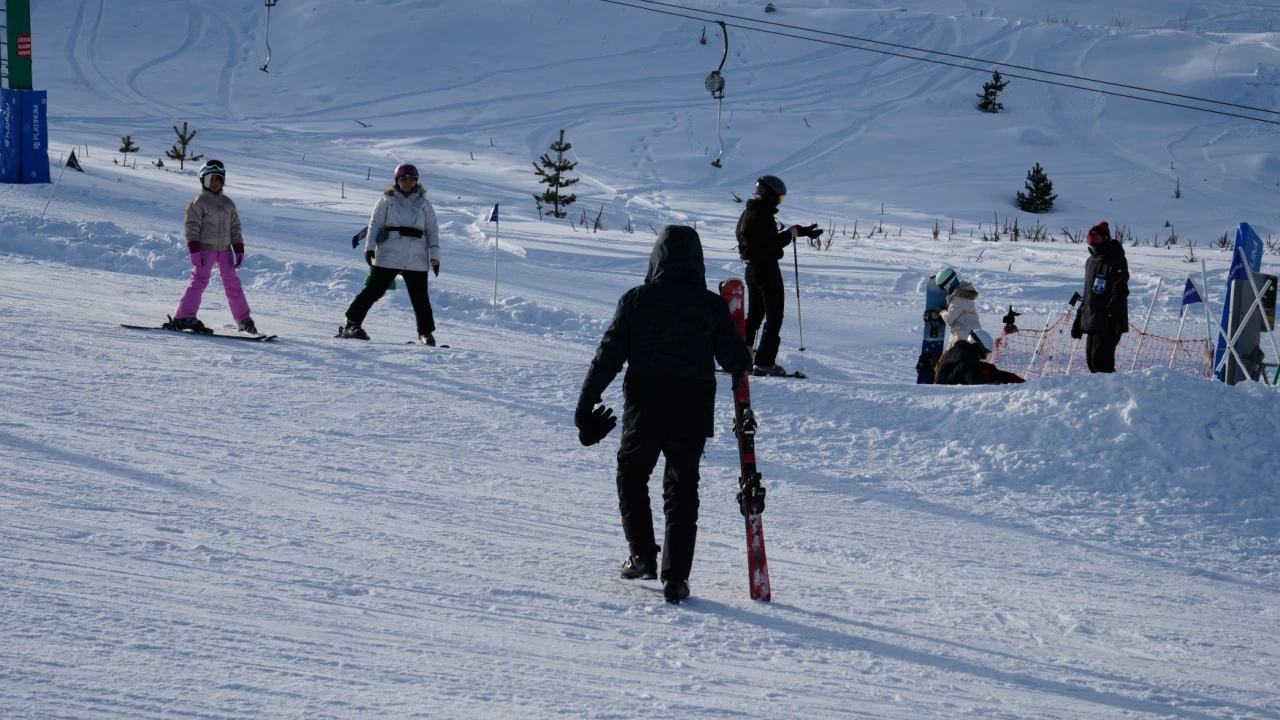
<point>982,338</point>
<point>946,277</point>
<point>210,169</point>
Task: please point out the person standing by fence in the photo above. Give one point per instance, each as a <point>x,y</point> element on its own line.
<point>1104,312</point>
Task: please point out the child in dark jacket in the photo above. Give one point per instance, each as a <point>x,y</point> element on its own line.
<point>963,364</point>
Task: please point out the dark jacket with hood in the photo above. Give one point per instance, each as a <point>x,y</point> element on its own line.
<point>962,364</point>
<point>1105,309</point>
<point>759,239</point>
<point>670,332</point>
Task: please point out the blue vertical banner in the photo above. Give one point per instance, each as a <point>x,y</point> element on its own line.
<point>35,136</point>
<point>1247,250</point>
<point>10,136</point>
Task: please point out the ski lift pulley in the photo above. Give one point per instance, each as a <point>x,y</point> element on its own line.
<point>715,85</point>
<point>270,4</point>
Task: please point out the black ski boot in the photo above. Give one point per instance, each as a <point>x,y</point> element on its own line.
<point>641,568</point>
<point>352,331</point>
<point>427,339</point>
<point>191,325</point>
<point>774,370</point>
<point>675,591</point>
<point>247,326</point>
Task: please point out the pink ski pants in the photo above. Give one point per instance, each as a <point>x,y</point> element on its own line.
<point>189,306</point>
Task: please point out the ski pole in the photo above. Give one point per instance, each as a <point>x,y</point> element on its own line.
<point>795,257</point>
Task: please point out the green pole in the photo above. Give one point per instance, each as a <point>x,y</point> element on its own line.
<point>18,16</point>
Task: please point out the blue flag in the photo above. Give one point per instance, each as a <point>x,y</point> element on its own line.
<point>494,217</point>
<point>1190,296</point>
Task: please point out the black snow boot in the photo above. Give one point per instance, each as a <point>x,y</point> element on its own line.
<point>353,331</point>
<point>675,591</point>
<point>192,325</point>
<point>641,568</point>
<point>774,370</point>
<point>427,339</point>
<point>247,326</point>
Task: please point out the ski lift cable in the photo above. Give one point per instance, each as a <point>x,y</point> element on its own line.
<point>1111,93</point>
<point>268,33</point>
<point>996,63</point>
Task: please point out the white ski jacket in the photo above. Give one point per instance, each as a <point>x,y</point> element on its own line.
<point>400,251</point>
<point>961,314</point>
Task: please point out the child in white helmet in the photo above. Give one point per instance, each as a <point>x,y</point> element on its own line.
<point>212,229</point>
<point>964,363</point>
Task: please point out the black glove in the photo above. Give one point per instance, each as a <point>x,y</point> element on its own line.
<point>593,425</point>
<point>1076,332</point>
<point>932,316</point>
<point>435,269</point>
<point>812,231</point>
<point>368,257</point>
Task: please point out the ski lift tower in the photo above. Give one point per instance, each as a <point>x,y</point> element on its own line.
<point>24,131</point>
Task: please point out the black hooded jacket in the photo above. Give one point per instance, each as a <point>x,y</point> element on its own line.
<point>670,332</point>
<point>962,364</point>
<point>759,240</point>
<point>1105,309</point>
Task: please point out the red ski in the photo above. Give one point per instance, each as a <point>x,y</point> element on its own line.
<point>750,491</point>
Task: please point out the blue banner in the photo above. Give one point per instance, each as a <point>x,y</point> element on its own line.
<point>1248,249</point>
<point>35,137</point>
<point>10,136</point>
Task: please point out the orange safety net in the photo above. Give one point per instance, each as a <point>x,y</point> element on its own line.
<point>1057,353</point>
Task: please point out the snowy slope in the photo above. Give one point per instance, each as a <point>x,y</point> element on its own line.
<point>315,528</point>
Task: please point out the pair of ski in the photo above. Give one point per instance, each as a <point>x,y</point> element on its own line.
<point>210,332</point>
<point>751,491</point>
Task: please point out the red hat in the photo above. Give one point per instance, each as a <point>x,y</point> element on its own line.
<point>1102,230</point>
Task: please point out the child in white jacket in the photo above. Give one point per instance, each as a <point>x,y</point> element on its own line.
<point>961,315</point>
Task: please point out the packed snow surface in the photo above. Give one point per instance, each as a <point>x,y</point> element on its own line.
<point>202,528</point>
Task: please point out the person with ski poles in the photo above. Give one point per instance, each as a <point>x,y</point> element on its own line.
<point>1104,312</point>
<point>403,239</point>
<point>669,332</point>
<point>212,231</point>
<point>761,245</point>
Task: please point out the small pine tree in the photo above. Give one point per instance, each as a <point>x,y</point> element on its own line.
<point>1039,196</point>
<point>990,91</point>
<point>159,162</point>
<point>127,146</point>
<point>552,173</point>
<point>184,139</point>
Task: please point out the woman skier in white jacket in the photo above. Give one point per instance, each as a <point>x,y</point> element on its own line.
<point>403,240</point>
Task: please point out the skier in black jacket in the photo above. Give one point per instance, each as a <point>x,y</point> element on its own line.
<point>963,363</point>
<point>761,245</point>
<point>1104,313</point>
<point>670,332</point>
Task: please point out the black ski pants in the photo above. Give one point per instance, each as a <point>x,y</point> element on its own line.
<point>637,457</point>
<point>414,280</point>
<point>1100,351</point>
<point>765,298</point>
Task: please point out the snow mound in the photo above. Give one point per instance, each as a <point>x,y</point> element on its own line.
<point>1158,436</point>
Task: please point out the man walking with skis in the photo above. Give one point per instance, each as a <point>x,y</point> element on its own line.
<point>761,244</point>
<point>669,332</point>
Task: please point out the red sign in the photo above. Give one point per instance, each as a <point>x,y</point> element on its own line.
<point>24,46</point>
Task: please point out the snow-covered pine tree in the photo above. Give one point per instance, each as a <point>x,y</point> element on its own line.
<point>552,173</point>
<point>990,91</point>
<point>1039,196</point>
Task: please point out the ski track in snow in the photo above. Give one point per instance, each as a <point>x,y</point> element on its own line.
<point>314,527</point>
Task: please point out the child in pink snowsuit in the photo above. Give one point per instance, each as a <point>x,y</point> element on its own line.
<point>212,230</point>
